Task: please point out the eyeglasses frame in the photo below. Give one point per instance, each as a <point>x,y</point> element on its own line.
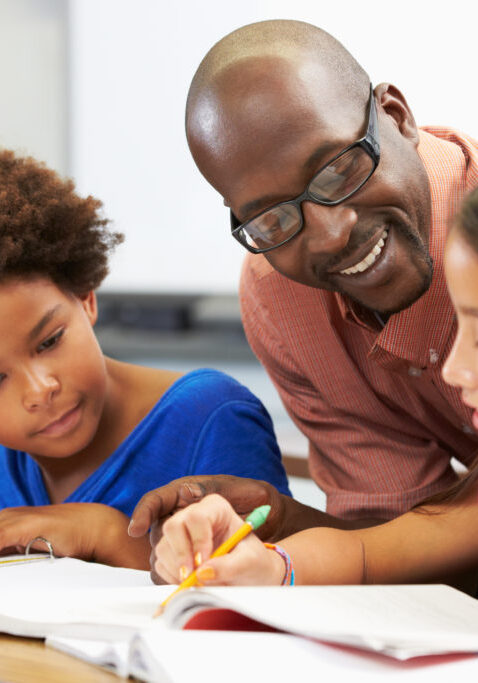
<point>369,142</point>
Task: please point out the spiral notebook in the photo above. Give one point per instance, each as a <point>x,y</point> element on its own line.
<point>70,598</point>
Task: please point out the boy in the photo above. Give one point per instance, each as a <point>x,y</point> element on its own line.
<point>84,436</point>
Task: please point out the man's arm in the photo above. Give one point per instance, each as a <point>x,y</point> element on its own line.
<point>287,516</point>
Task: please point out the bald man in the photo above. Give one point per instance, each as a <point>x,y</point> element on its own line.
<point>343,205</point>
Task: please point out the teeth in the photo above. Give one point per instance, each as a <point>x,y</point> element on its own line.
<point>369,259</point>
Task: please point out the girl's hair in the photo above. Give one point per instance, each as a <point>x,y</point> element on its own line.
<point>466,222</point>
<point>47,230</point>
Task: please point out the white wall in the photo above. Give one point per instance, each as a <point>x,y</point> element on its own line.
<point>33,84</point>
<point>131,62</point>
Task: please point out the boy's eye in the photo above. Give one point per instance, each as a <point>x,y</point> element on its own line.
<point>50,342</point>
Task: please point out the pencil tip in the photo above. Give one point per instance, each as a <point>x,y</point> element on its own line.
<point>158,612</point>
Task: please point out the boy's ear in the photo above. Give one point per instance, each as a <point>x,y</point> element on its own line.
<point>394,104</point>
<point>90,306</point>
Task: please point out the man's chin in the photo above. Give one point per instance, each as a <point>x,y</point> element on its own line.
<point>396,305</point>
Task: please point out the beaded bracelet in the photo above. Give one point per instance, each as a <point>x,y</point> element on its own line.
<point>289,576</point>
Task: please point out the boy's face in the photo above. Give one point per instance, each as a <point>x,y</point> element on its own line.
<point>461,366</point>
<point>52,370</point>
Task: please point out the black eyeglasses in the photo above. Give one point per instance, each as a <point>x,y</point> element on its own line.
<point>335,182</point>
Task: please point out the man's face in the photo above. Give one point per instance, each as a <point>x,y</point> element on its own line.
<point>275,135</point>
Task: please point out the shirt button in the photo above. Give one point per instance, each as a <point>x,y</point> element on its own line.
<point>468,430</point>
<point>434,357</point>
<point>414,372</point>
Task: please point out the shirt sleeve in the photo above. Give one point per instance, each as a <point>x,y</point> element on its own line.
<point>238,439</point>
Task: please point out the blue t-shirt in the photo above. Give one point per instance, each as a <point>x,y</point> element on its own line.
<point>205,423</point>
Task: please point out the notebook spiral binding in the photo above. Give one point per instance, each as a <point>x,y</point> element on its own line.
<point>45,541</point>
<point>28,556</point>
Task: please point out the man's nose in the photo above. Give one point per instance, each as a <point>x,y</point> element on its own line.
<point>40,388</point>
<point>327,228</point>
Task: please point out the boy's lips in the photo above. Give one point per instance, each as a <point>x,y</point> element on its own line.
<point>62,424</point>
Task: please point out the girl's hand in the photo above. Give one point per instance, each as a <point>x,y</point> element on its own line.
<point>87,531</point>
<point>191,536</point>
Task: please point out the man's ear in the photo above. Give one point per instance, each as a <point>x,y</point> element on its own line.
<point>394,104</point>
<point>89,304</point>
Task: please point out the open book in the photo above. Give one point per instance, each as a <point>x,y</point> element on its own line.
<point>175,656</point>
<point>67,598</point>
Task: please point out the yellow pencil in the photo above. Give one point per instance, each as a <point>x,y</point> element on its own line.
<point>21,560</point>
<point>253,521</point>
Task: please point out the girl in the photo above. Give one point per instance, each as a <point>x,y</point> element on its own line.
<point>431,543</point>
<point>84,436</point>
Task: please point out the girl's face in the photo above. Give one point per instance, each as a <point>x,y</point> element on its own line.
<point>461,366</point>
<point>52,371</point>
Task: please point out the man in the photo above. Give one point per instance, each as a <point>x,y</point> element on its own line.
<point>345,205</point>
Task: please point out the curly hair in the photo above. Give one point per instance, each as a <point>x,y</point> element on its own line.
<point>46,229</point>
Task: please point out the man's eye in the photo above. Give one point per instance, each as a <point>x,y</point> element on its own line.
<point>273,230</point>
<point>50,342</point>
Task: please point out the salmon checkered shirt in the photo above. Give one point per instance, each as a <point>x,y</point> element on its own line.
<point>381,422</point>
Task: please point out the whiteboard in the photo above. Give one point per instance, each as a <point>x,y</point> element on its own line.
<point>131,63</point>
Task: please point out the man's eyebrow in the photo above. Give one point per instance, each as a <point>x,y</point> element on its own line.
<point>256,205</point>
<point>44,320</point>
<point>322,153</point>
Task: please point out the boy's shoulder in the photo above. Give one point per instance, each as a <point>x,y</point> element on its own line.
<point>210,385</point>
<point>151,384</point>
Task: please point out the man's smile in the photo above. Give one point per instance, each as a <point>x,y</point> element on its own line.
<point>363,257</point>
<point>369,259</point>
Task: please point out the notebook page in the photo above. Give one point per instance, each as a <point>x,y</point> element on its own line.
<point>66,572</point>
<point>235,657</point>
<point>110,655</point>
<point>106,613</point>
<point>75,598</point>
<point>401,620</point>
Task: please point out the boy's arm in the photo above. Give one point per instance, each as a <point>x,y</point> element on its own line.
<point>87,531</point>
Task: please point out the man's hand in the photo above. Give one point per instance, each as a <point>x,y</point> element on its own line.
<point>287,516</point>
<point>243,494</point>
<point>87,531</point>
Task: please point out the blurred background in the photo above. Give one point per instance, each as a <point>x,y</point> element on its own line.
<point>97,88</point>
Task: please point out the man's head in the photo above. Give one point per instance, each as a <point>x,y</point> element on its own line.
<point>270,105</point>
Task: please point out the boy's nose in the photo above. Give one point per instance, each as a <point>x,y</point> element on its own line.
<point>39,390</point>
<point>327,228</point>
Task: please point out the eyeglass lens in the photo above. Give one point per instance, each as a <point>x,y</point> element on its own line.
<point>336,181</point>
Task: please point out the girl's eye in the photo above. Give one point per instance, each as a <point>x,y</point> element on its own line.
<point>50,342</point>
<point>2,377</point>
